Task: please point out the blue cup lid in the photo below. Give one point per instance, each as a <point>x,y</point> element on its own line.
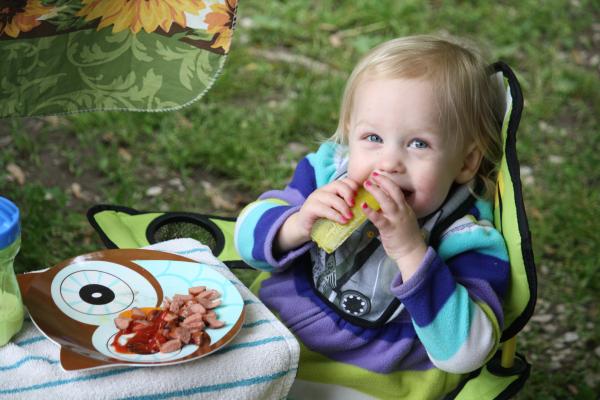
<point>10,228</point>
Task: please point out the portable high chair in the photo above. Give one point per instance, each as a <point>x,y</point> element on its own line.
<point>506,373</point>
<point>502,377</point>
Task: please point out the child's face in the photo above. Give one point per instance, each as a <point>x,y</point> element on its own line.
<point>394,131</point>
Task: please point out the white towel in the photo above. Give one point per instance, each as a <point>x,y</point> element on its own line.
<point>259,363</point>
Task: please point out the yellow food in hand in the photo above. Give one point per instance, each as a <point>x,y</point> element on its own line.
<point>329,235</point>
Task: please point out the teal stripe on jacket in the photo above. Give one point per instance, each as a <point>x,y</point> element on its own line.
<point>321,163</point>
<point>454,316</point>
<point>467,236</point>
<point>244,231</point>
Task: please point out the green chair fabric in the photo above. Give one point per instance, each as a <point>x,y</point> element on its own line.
<point>509,214</point>
<point>122,228</point>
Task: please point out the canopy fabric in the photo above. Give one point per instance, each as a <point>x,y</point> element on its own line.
<point>64,56</point>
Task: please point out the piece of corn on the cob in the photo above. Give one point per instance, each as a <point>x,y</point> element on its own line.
<point>329,235</point>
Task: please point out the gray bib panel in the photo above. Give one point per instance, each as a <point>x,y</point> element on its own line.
<point>356,277</point>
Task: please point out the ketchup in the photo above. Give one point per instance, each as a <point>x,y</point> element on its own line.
<point>146,340</point>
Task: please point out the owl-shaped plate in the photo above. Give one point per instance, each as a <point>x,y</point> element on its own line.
<point>75,303</point>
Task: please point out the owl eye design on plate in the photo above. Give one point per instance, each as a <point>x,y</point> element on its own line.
<point>95,292</point>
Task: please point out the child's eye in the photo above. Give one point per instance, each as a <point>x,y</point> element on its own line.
<point>374,138</point>
<point>418,144</point>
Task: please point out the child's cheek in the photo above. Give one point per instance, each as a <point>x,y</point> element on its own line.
<point>426,198</point>
<point>358,173</point>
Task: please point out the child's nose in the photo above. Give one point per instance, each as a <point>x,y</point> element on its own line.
<point>392,164</point>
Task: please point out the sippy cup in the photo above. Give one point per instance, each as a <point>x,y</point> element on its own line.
<point>11,306</point>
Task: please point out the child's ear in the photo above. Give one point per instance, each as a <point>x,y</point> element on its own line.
<point>471,163</point>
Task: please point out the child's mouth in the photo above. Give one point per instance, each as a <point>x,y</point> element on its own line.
<point>407,193</point>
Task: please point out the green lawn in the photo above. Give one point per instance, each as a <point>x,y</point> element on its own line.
<point>279,95</point>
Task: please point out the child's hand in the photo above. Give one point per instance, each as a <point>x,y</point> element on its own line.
<point>397,224</point>
<point>332,201</point>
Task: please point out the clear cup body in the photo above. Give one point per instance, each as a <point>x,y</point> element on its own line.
<point>11,304</point>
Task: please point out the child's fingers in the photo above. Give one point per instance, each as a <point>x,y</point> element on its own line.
<point>316,210</point>
<point>374,216</point>
<point>334,202</point>
<point>385,202</point>
<point>332,215</point>
<point>390,188</point>
<point>346,188</point>
<point>350,195</point>
<point>352,184</point>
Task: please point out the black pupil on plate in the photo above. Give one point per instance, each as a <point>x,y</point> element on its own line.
<point>96,294</point>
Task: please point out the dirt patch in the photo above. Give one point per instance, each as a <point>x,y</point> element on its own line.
<point>62,161</point>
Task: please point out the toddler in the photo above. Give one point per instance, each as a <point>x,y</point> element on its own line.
<point>413,299</point>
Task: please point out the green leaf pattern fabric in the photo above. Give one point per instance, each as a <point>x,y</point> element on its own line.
<point>63,56</point>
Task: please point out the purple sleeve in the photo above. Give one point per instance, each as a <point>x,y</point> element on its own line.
<point>260,221</point>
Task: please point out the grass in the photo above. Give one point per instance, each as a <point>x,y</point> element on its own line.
<point>238,139</point>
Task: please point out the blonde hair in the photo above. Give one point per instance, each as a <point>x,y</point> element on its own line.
<point>468,98</point>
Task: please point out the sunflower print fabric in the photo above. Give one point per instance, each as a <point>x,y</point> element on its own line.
<point>63,56</point>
